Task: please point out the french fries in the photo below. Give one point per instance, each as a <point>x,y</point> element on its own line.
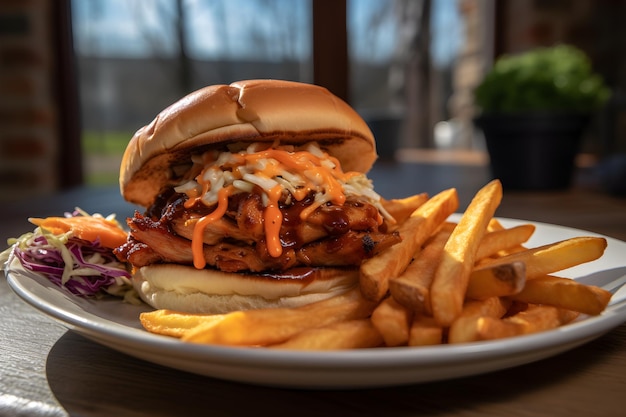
<point>444,282</point>
<point>425,331</point>
<point>554,257</point>
<point>401,208</point>
<point>276,325</point>
<point>352,334</point>
<point>450,281</point>
<point>376,271</point>
<point>412,287</point>
<point>496,281</point>
<point>464,327</point>
<point>535,319</point>
<point>392,320</point>
<point>564,293</point>
<point>504,240</point>
<point>173,323</point>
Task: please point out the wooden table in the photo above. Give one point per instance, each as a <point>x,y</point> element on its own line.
<point>46,370</point>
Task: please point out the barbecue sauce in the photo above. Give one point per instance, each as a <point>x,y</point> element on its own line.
<point>320,179</point>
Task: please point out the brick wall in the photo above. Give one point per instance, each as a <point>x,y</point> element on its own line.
<point>28,120</point>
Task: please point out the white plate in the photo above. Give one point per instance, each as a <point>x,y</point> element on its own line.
<point>115,324</point>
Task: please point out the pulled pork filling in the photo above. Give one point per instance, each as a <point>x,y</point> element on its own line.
<point>262,209</point>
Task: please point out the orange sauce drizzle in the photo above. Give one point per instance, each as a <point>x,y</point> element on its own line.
<point>197,242</point>
<point>317,178</point>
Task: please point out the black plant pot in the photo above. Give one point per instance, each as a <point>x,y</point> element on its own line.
<point>533,151</point>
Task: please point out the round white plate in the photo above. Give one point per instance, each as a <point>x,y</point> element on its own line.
<point>115,324</point>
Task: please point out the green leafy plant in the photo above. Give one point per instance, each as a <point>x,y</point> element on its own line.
<point>556,78</point>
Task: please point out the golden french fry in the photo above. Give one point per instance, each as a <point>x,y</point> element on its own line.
<point>447,291</point>
<point>401,208</point>
<point>376,272</point>
<point>352,334</point>
<point>554,257</point>
<point>492,307</point>
<point>564,293</point>
<point>536,318</point>
<point>392,320</point>
<point>173,323</point>
<point>447,226</point>
<point>490,328</point>
<point>412,287</point>
<point>503,240</point>
<point>464,327</point>
<point>496,281</point>
<point>425,331</point>
<point>494,225</point>
<point>276,325</point>
<point>567,316</point>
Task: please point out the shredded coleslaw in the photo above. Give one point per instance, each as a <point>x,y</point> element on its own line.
<point>84,268</point>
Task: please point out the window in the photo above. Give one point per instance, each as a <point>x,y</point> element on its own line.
<point>401,57</point>
<point>135,58</point>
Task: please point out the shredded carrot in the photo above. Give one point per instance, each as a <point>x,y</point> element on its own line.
<point>89,228</point>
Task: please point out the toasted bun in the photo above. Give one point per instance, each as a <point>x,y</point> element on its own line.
<point>245,111</point>
<point>209,291</point>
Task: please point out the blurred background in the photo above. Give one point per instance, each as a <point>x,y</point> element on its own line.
<point>79,77</point>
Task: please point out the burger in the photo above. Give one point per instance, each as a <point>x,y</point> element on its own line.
<point>254,195</point>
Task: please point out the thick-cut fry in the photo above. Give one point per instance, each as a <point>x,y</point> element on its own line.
<point>425,331</point>
<point>493,307</point>
<point>412,287</point>
<point>450,282</point>
<point>173,323</point>
<point>565,293</point>
<point>376,272</point>
<point>352,334</point>
<point>392,320</point>
<point>536,318</point>
<point>494,226</point>
<point>463,329</point>
<point>496,281</point>
<point>554,257</point>
<point>276,325</point>
<point>401,208</point>
<point>497,241</point>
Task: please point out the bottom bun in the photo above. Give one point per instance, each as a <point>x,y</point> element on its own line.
<point>186,289</point>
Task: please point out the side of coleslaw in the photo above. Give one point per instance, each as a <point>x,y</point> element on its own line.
<point>85,268</point>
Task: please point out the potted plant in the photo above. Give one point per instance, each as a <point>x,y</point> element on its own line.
<point>534,109</point>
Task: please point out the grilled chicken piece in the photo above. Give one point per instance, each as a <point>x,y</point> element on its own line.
<point>348,249</point>
<point>331,236</point>
<point>214,232</point>
<point>165,247</point>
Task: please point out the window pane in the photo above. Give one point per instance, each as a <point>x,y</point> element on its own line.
<point>401,55</point>
<point>137,57</point>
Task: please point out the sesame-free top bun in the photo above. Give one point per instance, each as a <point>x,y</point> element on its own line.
<point>244,111</point>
